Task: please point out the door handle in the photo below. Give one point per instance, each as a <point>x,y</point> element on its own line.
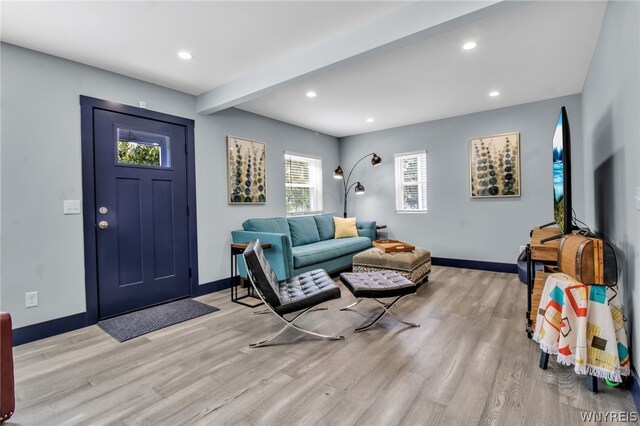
<point>103,224</point>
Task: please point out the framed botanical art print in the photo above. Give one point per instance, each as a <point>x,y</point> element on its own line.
<point>246,171</point>
<point>495,166</point>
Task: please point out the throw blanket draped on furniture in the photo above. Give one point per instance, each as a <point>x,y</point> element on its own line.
<point>583,325</point>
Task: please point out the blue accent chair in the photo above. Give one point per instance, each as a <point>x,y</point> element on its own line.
<point>304,243</point>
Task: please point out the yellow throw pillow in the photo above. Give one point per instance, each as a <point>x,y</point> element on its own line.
<point>345,227</point>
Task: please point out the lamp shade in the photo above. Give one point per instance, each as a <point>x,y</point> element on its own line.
<point>375,160</point>
<point>359,188</point>
<point>338,173</point>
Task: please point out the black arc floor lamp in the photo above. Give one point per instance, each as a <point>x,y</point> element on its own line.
<point>359,188</point>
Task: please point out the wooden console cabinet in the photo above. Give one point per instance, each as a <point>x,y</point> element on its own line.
<point>547,253</point>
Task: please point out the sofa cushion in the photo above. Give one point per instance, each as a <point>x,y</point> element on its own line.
<point>307,289</point>
<point>303,230</point>
<point>277,225</point>
<point>326,250</point>
<point>326,227</point>
<point>367,228</point>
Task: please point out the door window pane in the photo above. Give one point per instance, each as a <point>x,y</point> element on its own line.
<point>139,148</point>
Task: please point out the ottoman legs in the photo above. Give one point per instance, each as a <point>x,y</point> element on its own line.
<point>351,305</point>
<point>385,310</point>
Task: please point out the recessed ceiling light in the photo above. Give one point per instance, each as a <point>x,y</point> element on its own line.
<point>183,54</point>
<point>469,45</point>
<point>311,94</point>
<point>494,93</point>
<point>369,120</point>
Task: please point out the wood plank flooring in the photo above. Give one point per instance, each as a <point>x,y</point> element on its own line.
<point>469,363</point>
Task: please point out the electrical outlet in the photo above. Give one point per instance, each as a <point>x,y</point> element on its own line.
<point>522,248</point>
<point>31,299</point>
<point>71,206</point>
<point>638,198</point>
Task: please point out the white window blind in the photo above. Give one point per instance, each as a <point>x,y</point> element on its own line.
<point>411,182</point>
<point>303,182</point>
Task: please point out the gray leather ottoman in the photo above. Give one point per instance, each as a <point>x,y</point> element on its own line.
<point>414,265</point>
<point>374,285</point>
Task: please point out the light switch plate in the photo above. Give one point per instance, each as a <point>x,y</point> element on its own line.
<point>71,206</point>
<point>638,198</point>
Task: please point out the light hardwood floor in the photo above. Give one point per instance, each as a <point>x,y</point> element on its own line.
<point>469,363</point>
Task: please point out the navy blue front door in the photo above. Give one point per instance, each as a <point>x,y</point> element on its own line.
<point>141,212</point>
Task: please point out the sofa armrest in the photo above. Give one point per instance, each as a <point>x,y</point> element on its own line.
<point>279,255</point>
<point>367,228</point>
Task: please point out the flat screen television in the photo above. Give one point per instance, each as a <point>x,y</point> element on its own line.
<point>562,211</point>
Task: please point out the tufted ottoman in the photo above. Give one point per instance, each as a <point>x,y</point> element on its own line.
<point>414,265</point>
<point>380,284</point>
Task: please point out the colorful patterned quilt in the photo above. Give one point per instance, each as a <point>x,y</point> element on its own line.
<point>583,325</point>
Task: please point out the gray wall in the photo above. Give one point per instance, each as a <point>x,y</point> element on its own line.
<point>611,114</point>
<point>456,226</point>
<point>42,249</point>
<point>216,219</point>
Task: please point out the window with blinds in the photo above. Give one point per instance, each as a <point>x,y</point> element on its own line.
<point>411,182</point>
<point>303,183</point>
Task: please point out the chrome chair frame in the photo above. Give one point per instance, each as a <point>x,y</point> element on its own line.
<point>288,323</point>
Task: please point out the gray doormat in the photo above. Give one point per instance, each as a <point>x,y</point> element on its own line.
<point>137,323</point>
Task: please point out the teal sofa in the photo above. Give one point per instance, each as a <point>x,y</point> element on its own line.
<point>303,243</point>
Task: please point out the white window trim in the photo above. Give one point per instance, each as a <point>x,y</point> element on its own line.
<point>318,200</point>
<point>422,193</point>
<point>299,154</point>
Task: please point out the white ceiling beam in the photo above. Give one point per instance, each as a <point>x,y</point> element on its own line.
<point>415,22</point>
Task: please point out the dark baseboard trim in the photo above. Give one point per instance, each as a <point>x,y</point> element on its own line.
<point>635,388</point>
<point>50,328</point>
<point>511,268</point>
<point>31,333</point>
<point>212,287</point>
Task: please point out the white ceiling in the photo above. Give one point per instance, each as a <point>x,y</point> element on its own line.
<point>530,52</point>
<point>141,39</point>
<point>538,51</point>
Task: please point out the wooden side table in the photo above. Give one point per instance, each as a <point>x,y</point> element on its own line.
<point>547,253</point>
<point>380,228</point>
<point>236,250</point>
